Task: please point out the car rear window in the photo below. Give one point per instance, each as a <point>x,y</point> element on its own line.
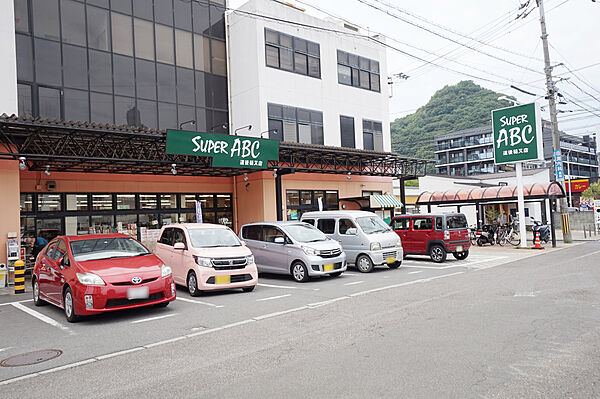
<point>456,222</point>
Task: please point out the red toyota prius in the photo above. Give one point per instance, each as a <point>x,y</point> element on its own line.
<point>91,274</point>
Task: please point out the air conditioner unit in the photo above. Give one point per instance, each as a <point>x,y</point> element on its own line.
<point>50,185</point>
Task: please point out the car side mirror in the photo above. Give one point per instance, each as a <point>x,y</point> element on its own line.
<point>352,231</point>
<point>179,245</point>
<point>279,240</point>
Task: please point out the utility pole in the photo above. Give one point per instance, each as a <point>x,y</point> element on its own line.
<point>566,228</point>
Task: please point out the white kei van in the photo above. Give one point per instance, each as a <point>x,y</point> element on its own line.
<point>366,239</point>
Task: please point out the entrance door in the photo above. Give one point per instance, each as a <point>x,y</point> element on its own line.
<point>49,228</point>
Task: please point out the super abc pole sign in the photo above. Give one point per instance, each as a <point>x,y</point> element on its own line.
<point>517,134</point>
<point>226,151</point>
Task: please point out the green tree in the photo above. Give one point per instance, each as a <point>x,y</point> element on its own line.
<point>452,108</point>
<point>593,191</point>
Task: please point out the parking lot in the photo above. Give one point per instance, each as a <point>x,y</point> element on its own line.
<point>28,328</point>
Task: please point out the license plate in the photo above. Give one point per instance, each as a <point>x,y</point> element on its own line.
<point>390,260</point>
<point>138,293</point>
<point>222,279</point>
<point>328,267</point>
<point>459,248</point>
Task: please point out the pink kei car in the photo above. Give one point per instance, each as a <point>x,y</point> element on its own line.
<point>206,257</point>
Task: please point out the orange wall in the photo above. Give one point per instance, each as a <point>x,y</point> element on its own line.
<point>255,199</point>
<point>9,204</point>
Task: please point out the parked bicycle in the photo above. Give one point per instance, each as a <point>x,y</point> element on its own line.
<point>510,235</point>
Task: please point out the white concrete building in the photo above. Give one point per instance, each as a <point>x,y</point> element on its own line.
<point>313,81</point>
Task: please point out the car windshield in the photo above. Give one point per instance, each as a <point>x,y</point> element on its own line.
<point>372,224</point>
<point>456,222</point>
<point>305,233</point>
<point>107,248</point>
<point>207,238</point>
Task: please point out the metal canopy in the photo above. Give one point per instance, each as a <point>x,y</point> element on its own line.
<point>97,148</point>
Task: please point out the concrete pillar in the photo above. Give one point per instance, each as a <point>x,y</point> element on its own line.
<point>10,213</point>
<point>255,200</point>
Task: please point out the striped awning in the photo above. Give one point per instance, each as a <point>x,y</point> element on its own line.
<point>384,201</point>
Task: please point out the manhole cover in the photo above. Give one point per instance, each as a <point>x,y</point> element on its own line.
<point>26,359</point>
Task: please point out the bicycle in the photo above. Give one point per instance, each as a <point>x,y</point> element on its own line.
<point>512,236</point>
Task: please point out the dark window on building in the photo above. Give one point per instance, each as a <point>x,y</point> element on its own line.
<point>49,101</point>
<point>298,124</point>
<point>24,58</point>
<point>217,21</point>
<point>163,12</point>
<point>358,71</point>
<point>166,82</point>
<point>73,22</point>
<point>201,93</point>
<point>145,79</point>
<point>372,135</point>
<point>292,54</point>
<point>201,22</point>
<point>47,62</point>
<point>185,114</point>
<point>76,105</point>
<point>147,113</point>
<point>100,71</point>
<point>167,116</point>
<point>124,80</point>
<point>216,91</point>
<point>123,6</point>
<point>101,106</point>
<point>300,201</point>
<point>183,14</point>
<point>125,111</point>
<point>45,19</point>
<point>347,131</point>
<point>218,62</point>
<point>144,39</point>
<point>185,86</point>
<point>98,28</point>
<point>25,103</point>
<point>75,67</point>
<point>21,16</point>
<point>143,9</point>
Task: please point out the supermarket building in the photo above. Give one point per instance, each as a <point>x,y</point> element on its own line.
<point>89,89</point>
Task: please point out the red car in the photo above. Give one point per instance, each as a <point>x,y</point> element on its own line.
<point>91,274</point>
<point>433,235</point>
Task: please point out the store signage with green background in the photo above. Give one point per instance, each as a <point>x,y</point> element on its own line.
<point>517,133</point>
<point>226,151</point>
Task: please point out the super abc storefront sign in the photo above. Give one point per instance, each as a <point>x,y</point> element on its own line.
<point>226,151</point>
<point>517,134</point>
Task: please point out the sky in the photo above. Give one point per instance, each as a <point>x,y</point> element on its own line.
<point>497,49</point>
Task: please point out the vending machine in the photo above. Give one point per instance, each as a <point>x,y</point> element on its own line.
<point>12,254</point>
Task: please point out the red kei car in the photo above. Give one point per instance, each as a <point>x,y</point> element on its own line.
<point>433,234</point>
<point>91,274</point>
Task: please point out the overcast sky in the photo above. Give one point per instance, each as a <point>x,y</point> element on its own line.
<point>574,36</point>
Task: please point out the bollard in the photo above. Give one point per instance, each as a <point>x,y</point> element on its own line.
<point>584,235</point>
<point>19,277</point>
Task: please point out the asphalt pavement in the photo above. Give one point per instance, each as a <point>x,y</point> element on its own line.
<point>502,323</point>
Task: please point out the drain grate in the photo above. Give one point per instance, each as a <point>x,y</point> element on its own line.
<point>26,359</point>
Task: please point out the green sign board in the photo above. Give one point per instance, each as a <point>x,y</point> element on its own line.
<point>517,134</point>
<point>226,151</point>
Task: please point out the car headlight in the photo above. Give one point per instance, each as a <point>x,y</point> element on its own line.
<point>165,271</point>
<point>89,279</point>
<point>249,259</point>
<point>205,262</point>
<point>399,244</point>
<point>309,251</point>
<point>375,246</point>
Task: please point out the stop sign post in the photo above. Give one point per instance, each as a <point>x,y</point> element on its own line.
<point>517,133</point>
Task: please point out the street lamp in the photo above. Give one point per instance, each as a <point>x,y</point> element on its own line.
<point>223,126</point>
<point>569,175</point>
<point>514,102</point>
<point>249,127</point>
<point>268,131</point>
<point>191,121</point>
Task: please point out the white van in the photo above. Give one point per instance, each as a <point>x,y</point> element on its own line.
<point>366,239</point>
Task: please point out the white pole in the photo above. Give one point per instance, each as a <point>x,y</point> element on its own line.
<point>521,204</point>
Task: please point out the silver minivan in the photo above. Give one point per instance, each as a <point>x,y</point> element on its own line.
<point>366,239</point>
<point>294,248</point>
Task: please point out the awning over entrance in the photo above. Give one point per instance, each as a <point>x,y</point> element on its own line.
<point>534,191</point>
<point>96,148</point>
<point>384,201</point>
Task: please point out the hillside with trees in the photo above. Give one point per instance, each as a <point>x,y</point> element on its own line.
<point>462,106</point>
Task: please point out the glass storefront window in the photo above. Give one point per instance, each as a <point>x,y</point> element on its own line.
<point>331,199</point>
<point>225,218</point>
<point>319,194</point>
<point>207,201</point>
<point>49,202</point>
<point>148,201</point>
<point>49,228</point>
<point>149,221</point>
<point>168,201</point>
<point>102,224</point>
<point>187,217</point>
<point>26,202</point>
<point>223,201</point>
<point>125,201</point>
<point>102,202</point>
<point>188,201</point>
<point>77,225</point>
<point>292,198</point>
<point>305,198</point>
<point>127,224</point>
<point>208,217</point>
<point>77,202</point>
<point>168,218</point>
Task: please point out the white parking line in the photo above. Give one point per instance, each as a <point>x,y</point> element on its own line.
<point>42,317</point>
<point>153,318</point>
<point>416,271</point>
<point>355,282</point>
<point>199,302</point>
<point>273,297</point>
<point>583,256</point>
<point>277,286</point>
<point>12,303</point>
<point>319,304</point>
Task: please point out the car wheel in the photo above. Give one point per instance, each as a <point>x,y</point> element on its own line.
<point>69,306</point>
<point>192,284</point>
<point>364,264</point>
<point>248,289</point>
<point>336,274</point>
<point>479,242</point>
<point>461,255</point>
<point>395,265</point>
<point>162,305</point>
<point>299,272</point>
<point>36,294</point>
<point>437,253</point>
